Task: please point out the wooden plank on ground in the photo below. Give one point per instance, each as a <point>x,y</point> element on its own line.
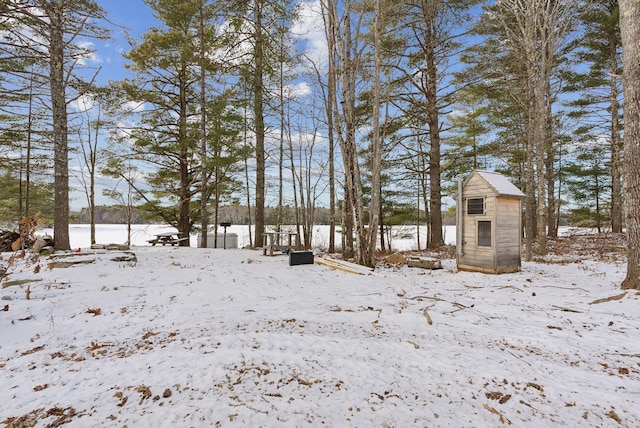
<point>344,266</point>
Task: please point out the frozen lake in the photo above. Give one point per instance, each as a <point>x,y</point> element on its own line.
<point>403,238</point>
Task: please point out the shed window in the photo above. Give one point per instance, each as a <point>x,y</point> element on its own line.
<point>484,234</point>
<point>475,206</point>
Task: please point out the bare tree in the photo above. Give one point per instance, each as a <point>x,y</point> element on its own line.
<point>89,152</point>
<point>346,46</point>
<point>369,256</point>
<point>329,96</point>
<point>537,32</point>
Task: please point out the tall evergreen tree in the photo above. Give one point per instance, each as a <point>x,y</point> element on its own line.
<point>49,31</point>
<point>527,42</point>
<point>469,146</point>
<point>259,25</point>
<point>433,30</point>
<point>598,110</point>
<point>587,184</point>
<point>168,81</point>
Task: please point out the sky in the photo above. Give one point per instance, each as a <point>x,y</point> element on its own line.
<point>131,17</point>
<point>134,18</point>
<point>174,336</point>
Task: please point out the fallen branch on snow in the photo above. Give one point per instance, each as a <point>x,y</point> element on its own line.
<point>561,308</point>
<point>609,299</point>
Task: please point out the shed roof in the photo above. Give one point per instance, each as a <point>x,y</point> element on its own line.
<point>499,183</point>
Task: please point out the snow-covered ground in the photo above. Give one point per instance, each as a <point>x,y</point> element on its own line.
<point>188,337</point>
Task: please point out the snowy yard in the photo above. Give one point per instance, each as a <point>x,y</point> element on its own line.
<point>187,337</point>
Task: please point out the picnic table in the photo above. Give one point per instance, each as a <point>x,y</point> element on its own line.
<point>272,241</point>
<point>170,238</point>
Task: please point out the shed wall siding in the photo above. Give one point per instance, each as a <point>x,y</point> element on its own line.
<point>508,231</point>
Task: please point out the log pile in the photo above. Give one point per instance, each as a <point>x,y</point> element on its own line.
<point>25,238</point>
<point>11,241</point>
<point>7,238</point>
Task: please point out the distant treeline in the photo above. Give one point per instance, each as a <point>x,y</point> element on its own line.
<point>115,214</point>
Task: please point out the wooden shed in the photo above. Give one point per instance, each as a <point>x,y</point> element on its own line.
<point>489,224</point>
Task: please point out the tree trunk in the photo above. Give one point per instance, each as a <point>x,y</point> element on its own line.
<point>552,229</point>
<point>423,184</point>
<point>530,199</point>
<point>247,181</point>
<point>279,219</point>
<point>435,187</point>
<point>330,108</point>
<point>344,48</point>
<point>616,191</point>
<point>91,166</point>
<point>27,190</point>
<point>630,30</point>
<point>369,256</point>
<point>60,129</point>
<point>204,184</point>
<point>539,79</point>
<point>258,114</point>
<point>184,204</point>
<point>294,185</point>
<point>332,189</point>
<point>92,187</point>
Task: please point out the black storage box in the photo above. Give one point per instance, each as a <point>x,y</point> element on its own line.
<point>300,258</point>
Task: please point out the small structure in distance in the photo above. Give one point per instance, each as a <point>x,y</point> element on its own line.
<point>489,224</point>
<point>220,240</point>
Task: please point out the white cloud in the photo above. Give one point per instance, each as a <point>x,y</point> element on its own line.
<point>298,90</point>
<point>89,55</point>
<point>309,30</point>
<point>133,106</point>
<point>83,104</point>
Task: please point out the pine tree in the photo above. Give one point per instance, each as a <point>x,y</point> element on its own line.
<point>169,138</point>
<point>163,64</point>
<point>587,184</point>
<point>433,31</point>
<point>47,32</point>
<point>526,42</point>
<point>598,109</point>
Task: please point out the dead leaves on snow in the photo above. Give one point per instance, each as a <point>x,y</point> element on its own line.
<point>574,248</point>
<point>32,350</point>
<point>123,398</point>
<point>496,395</point>
<point>612,414</point>
<point>500,415</point>
<point>149,341</point>
<point>60,417</point>
<point>535,396</point>
<point>101,349</point>
<point>94,311</point>
<point>145,394</point>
